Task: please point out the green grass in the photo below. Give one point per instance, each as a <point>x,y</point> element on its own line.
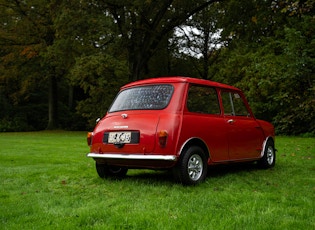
<point>48,183</point>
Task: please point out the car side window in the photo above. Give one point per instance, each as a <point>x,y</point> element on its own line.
<point>233,104</point>
<point>203,99</point>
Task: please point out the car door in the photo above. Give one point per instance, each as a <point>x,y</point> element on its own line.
<point>245,136</point>
<point>203,120</point>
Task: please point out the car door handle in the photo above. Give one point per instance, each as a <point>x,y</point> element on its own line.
<point>231,121</point>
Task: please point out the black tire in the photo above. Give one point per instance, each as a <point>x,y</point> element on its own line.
<point>105,171</point>
<point>192,166</point>
<point>269,158</point>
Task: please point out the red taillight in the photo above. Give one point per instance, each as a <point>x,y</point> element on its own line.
<point>89,138</point>
<point>163,138</point>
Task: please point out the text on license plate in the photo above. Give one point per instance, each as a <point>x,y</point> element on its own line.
<point>119,137</point>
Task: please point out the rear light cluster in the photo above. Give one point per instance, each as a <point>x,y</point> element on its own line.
<point>162,138</point>
<point>89,138</point>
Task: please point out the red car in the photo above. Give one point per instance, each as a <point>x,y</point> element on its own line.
<point>179,123</point>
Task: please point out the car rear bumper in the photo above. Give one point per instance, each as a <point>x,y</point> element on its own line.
<point>132,157</point>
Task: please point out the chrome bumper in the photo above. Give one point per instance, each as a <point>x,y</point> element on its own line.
<point>133,157</point>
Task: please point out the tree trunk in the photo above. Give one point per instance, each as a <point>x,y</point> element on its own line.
<point>52,104</point>
<point>206,53</point>
<point>71,98</point>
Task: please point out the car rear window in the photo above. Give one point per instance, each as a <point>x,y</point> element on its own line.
<point>148,97</point>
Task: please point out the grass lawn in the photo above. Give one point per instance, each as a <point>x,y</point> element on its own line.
<point>48,183</point>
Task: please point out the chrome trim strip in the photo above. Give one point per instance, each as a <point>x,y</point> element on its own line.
<point>133,157</point>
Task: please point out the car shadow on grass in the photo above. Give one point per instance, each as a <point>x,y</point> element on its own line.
<point>222,170</point>
<point>165,177</point>
<point>151,176</point>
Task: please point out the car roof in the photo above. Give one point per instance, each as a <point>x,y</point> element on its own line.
<point>179,79</point>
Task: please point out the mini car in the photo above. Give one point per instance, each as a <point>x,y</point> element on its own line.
<point>179,123</point>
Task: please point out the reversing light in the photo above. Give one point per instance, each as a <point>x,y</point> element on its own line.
<point>163,138</point>
<point>89,138</point>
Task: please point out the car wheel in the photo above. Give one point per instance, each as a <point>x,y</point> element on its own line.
<point>269,158</point>
<point>192,166</point>
<point>104,171</point>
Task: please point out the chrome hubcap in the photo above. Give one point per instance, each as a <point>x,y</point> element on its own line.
<point>270,155</point>
<point>195,167</point>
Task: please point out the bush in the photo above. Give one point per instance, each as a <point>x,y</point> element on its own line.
<point>15,124</point>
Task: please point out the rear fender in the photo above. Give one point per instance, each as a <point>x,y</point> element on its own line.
<point>195,141</point>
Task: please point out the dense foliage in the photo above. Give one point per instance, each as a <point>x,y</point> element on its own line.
<point>62,62</point>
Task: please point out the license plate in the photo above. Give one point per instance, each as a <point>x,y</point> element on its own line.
<point>119,137</point>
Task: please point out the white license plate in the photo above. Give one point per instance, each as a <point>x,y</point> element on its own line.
<point>119,137</point>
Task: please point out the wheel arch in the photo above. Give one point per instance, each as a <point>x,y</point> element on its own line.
<point>269,138</point>
<point>195,141</point>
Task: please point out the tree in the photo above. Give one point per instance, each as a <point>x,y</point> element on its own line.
<point>200,38</point>
<point>100,76</point>
<point>275,67</point>
<point>99,65</point>
<point>27,31</point>
<point>144,24</point>
<point>42,36</point>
